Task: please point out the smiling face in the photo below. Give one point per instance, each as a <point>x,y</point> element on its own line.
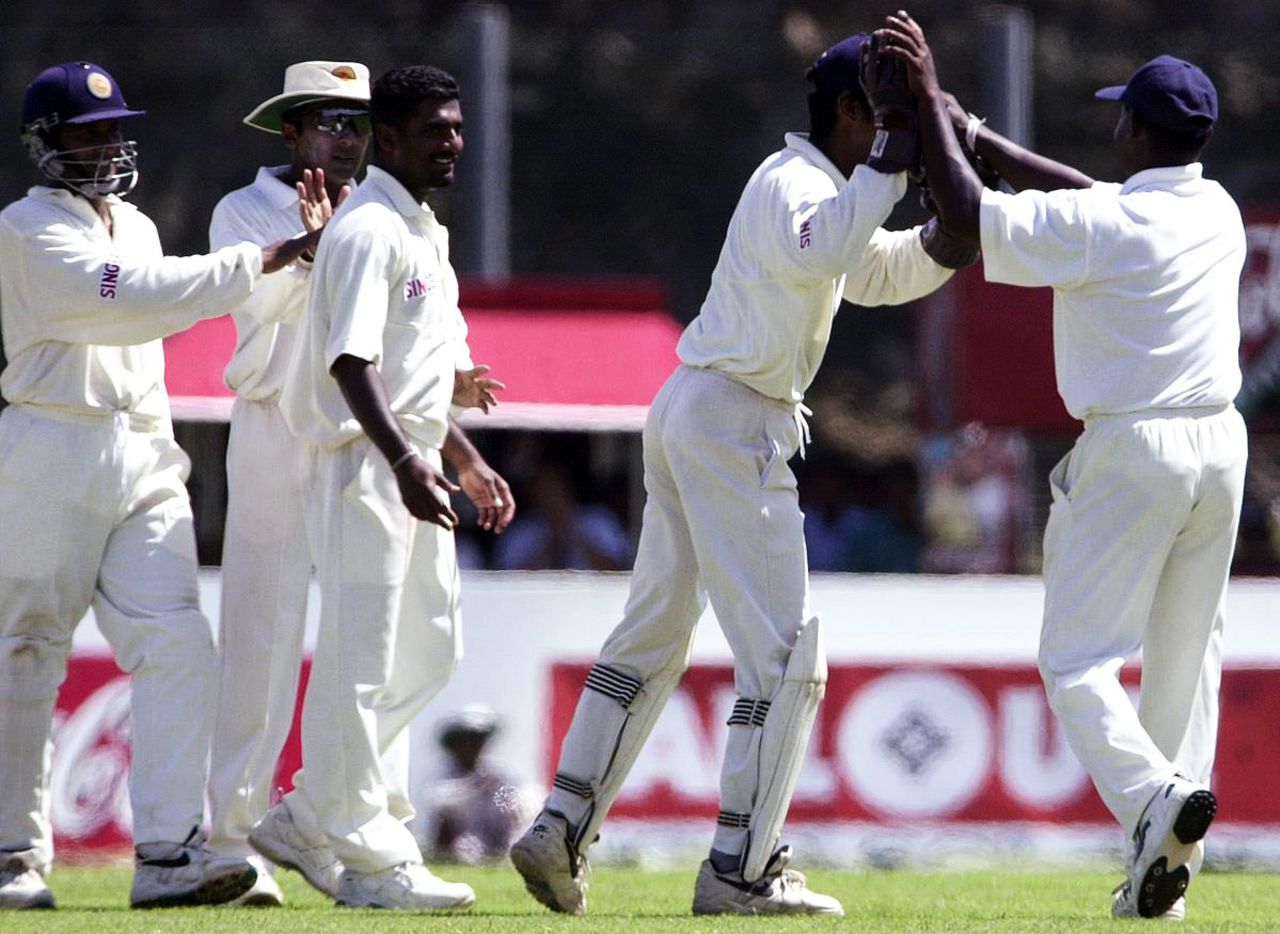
<point>423,151</point>
<point>329,135</point>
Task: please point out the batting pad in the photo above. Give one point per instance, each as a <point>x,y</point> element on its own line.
<point>783,739</point>
<point>615,715</point>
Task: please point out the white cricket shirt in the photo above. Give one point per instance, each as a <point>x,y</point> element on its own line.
<point>83,310</point>
<point>1146,279</point>
<point>801,238</point>
<point>266,322</point>
<point>382,290</point>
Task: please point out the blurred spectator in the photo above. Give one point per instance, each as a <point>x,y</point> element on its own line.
<point>557,531</point>
<point>830,514</point>
<point>886,536</point>
<point>972,501</point>
<point>1258,541</point>
<point>474,811</point>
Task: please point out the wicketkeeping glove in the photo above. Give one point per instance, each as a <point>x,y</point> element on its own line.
<point>884,80</point>
<point>945,249</point>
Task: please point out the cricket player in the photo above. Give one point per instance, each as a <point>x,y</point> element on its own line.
<point>1145,507</point>
<point>722,518</point>
<point>370,387</point>
<point>322,117</point>
<point>95,511</point>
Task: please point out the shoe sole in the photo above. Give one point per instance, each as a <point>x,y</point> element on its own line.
<point>1196,815</point>
<point>252,899</point>
<point>282,859</point>
<point>1161,887</point>
<point>527,866</point>
<point>212,892</point>
<point>36,903</point>
<point>463,903</point>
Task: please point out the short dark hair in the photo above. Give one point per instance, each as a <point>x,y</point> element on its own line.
<point>1184,145</point>
<point>822,110</point>
<point>397,93</point>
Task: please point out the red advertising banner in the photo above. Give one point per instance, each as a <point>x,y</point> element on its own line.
<point>90,773</point>
<point>950,743</point>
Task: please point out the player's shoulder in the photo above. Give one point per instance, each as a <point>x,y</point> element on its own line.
<point>37,208</point>
<point>238,198</point>
<point>366,209</point>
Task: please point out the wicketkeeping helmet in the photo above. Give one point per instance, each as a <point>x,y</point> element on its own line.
<point>71,93</point>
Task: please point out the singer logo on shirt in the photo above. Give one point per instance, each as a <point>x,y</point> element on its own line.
<point>806,234</point>
<point>109,281</point>
<point>417,287</point>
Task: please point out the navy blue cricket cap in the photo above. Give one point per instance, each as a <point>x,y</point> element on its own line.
<point>837,68</point>
<point>1170,93</point>
<point>74,92</point>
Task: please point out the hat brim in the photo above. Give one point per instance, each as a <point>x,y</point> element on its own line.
<point>269,115</point>
<point>116,114</point>
<point>1113,93</point>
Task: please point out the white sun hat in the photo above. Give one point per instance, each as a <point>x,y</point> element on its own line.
<point>312,81</point>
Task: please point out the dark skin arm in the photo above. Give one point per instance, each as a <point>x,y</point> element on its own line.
<point>366,396</point>
<point>956,188</point>
<point>1018,166</point>
<point>484,486</point>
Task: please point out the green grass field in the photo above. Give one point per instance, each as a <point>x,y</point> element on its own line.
<point>94,898</point>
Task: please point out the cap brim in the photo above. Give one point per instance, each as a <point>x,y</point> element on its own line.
<point>270,113</point>
<point>1113,93</point>
<point>116,114</point>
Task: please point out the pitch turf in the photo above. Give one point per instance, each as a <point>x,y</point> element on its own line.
<point>92,900</point>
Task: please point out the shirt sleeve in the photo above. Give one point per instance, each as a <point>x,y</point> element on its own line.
<point>279,297</point>
<point>894,269</point>
<point>88,295</point>
<point>819,236</point>
<point>1036,238</point>
<point>354,274</point>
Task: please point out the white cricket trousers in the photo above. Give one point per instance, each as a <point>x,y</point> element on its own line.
<point>390,636</point>
<point>94,512</point>
<point>266,570</point>
<point>722,519</point>
<point>1137,553</point>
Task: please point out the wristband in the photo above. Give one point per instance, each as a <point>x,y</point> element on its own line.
<point>971,131</point>
<point>403,459</point>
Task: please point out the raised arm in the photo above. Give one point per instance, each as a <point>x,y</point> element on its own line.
<point>954,185</point>
<point>1020,167</point>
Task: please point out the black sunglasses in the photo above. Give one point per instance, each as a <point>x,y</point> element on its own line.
<point>333,120</point>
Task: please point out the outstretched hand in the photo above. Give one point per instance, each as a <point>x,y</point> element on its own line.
<point>314,205</point>
<point>472,390</point>
<point>903,38</point>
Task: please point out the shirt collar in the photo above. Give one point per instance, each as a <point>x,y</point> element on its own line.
<point>799,143</point>
<point>399,196</point>
<point>271,182</point>
<point>1165,176</point>
<point>70,201</point>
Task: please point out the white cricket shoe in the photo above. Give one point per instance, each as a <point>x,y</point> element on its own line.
<point>780,891</point>
<point>1164,844</point>
<point>279,839</point>
<point>1124,905</point>
<point>22,883</point>
<point>171,875</point>
<point>554,872</point>
<point>266,890</point>
<point>406,886</point>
